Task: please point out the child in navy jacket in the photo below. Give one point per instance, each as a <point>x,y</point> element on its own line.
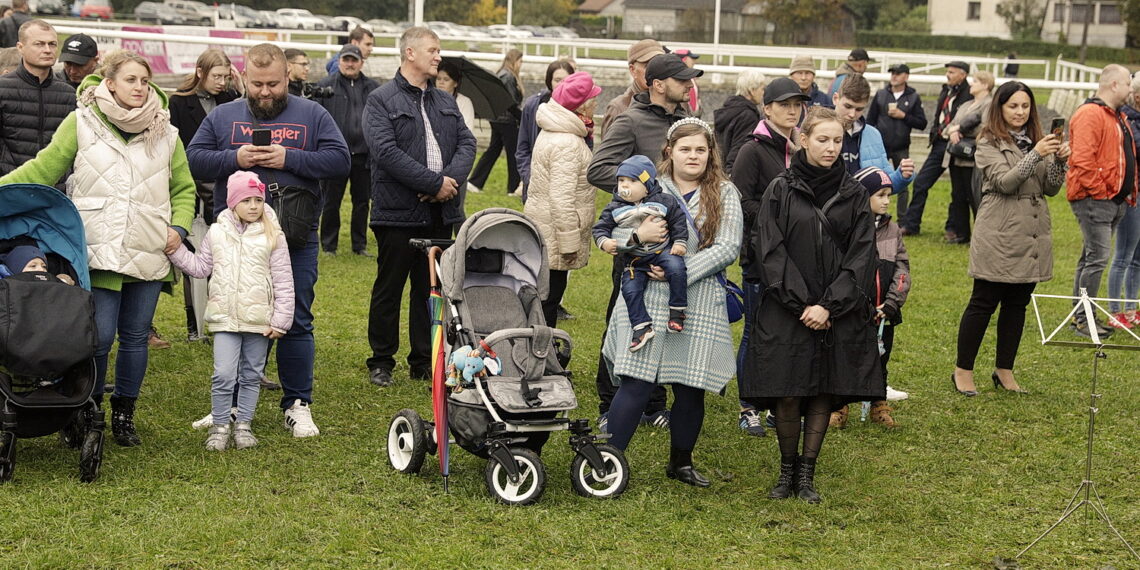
<point>638,197</point>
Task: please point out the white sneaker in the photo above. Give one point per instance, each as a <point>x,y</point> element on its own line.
<point>208,420</point>
<point>474,189</point>
<point>896,395</point>
<point>219,438</point>
<point>243,436</point>
<point>299,419</point>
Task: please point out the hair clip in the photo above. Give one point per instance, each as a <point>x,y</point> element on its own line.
<point>689,121</point>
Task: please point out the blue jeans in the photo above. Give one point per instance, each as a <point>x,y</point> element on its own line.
<point>239,358</point>
<point>1097,220</point>
<point>1125,268</point>
<point>635,277</point>
<point>929,173</point>
<point>127,312</point>
<point>296,351</point>
<point>751,297</point>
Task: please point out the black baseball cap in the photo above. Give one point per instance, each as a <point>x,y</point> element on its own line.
<point>669,65</point>
<point>78,49</point>
<point>899,68</point>
<point>782,89</point>
<point>350,50</point>
<point>960,65</point>
<point>858,54</point>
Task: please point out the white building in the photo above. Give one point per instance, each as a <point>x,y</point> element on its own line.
<point>1064,20</point>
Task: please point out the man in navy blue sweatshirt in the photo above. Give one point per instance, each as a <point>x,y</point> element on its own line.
<point>306,147</point>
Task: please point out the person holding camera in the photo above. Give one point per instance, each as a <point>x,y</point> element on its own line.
<point>350,89</point>
<point>290,143</point>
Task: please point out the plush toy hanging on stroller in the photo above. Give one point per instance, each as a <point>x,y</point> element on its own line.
<point>504,388</point>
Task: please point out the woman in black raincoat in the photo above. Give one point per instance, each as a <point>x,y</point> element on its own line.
<point>812,348</point>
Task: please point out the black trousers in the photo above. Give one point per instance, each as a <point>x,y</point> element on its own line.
<point>888,345</point>
<point>606,388</point>
<point>987,296</point>
<point>902,198</point>
<point>359,183</point>
<point>558,279</point>
<point>962,204</point>
<point>503,135</point>
<point>396,262</point>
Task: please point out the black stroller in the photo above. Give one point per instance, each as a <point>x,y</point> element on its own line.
<point>47,331</point>
<point>486,292</point>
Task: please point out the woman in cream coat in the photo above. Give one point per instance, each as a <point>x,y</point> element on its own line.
<point>561,201</point>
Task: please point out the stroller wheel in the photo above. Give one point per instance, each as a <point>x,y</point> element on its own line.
<point>590,483</point>
<point>7,455</point>
<point>91,456</point>
<point>531,479</point>
<point>407,442</point>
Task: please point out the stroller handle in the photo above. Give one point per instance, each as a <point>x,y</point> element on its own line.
<point>424,244</point>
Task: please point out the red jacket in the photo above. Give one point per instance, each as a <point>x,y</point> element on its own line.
<point>1096,167</point>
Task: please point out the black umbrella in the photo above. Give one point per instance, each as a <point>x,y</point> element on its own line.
<point>488,95</point>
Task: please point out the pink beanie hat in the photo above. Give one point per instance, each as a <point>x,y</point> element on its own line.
<point>576,89</point>
<point>241,185</point>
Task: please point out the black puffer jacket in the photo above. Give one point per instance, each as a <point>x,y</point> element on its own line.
<point>733,123</point>
<point>30,112</point>
<point>764,156</point>
<point>347,107</point>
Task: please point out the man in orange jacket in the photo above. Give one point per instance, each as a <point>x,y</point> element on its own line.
<point>1101,180</point>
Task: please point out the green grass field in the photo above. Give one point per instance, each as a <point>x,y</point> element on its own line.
<point>963,481</point>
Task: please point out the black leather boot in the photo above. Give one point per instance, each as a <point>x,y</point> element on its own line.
<point>123,421</point>
<point>805,481</point>
<point>680,467</point>
<point>786,484</point>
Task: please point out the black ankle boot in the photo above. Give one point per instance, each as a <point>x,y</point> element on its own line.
<point>123,421</point>
<point>680,467</point>
<point>805,481</point>
<point>786,484</point>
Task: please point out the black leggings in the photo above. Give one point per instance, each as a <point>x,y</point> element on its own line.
<point>816,411</point>
<point>558,280</point>
<point>684,422</point>
<point>987,295</point>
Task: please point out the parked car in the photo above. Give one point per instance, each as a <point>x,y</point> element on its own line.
<point>445,28</point>
<point>380,26</point>
<point>242,16</point>
<point>96,10</point>
<point>269,18</point>
<point>158,13</point>
<point>349,23</point>
<point>560,32</point>
<point>536,30</point>
<point>473,33</point>
<point>298,19</point>
<point>504,31</point>
<point>195,12</point>
<point>56,7</point>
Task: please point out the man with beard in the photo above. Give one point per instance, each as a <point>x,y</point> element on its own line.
<point>306,147</point>
<point>421,152</point>
<point>32,102</point>
<point>80,56</point>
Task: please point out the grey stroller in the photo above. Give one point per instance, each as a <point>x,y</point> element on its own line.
<point>487,291</point>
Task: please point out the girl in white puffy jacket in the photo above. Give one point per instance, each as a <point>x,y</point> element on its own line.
<point>250,302</point>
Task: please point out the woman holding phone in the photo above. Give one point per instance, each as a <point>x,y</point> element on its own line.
<point>1012,248</point>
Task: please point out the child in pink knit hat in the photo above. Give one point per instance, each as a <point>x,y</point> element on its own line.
<point>250,302</point>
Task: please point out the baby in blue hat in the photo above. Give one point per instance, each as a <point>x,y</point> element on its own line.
<point>638,197</point>
<point>26,258</point>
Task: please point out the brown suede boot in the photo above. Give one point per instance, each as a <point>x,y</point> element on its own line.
<point>881,414</point>
<point>838,418</point>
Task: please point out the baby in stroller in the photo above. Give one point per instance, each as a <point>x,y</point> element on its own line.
<point>27,259</point>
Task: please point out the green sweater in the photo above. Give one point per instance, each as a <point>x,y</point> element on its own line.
<point>53,162</point>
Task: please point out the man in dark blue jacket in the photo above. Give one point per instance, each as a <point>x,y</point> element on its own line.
<point>421,152</point>
<point>306,147</point>
<point>346,105</point>
<point>895,111</point>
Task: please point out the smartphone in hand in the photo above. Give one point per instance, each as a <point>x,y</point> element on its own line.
<point>261,137</point>
<point>1058,127</point>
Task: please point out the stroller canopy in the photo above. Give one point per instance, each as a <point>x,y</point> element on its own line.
<point>48,216</point>
<point>524,253</point>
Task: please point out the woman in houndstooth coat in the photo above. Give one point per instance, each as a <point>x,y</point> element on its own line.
<point>700,358</point>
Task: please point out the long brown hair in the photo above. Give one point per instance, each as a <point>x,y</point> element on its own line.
<point>709,182</point>
<point>512,62</point>
<point>208,60</point>
<point>995,128</point>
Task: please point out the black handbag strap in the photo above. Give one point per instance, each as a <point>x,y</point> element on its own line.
<point>826,224</point>
<point>273,187</point>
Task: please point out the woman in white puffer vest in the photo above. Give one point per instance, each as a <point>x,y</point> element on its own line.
<point>132,186</point>
<point>250,302</point>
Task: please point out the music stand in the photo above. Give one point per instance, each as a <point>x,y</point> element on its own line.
<point>1087,488</point>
